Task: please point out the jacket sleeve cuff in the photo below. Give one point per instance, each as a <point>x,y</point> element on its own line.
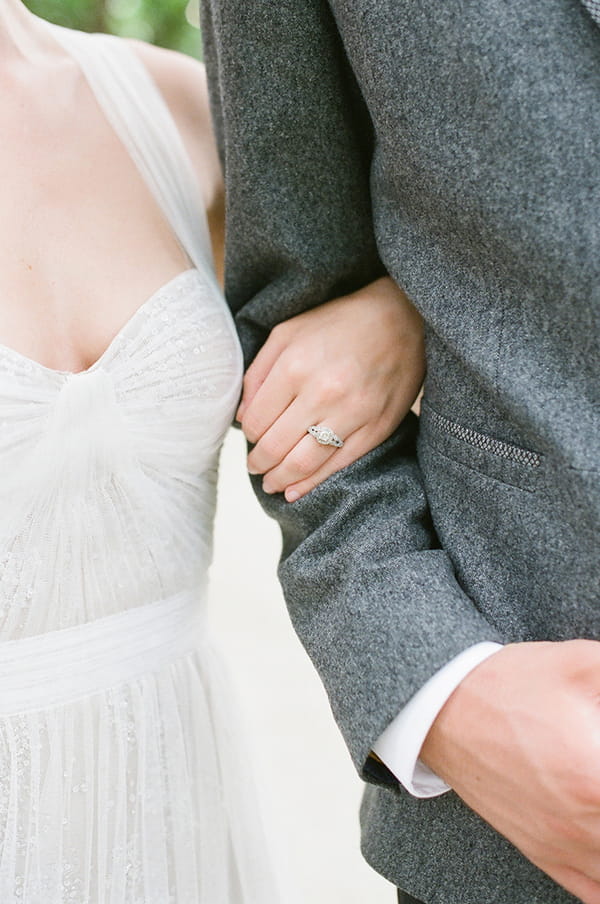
<point>400,744</point>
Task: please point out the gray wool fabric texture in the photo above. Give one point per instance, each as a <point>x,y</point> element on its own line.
<point>456,145</point>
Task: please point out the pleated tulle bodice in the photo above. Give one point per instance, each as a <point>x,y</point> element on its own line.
<point>107,485</point>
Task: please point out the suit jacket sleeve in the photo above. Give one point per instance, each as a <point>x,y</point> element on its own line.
<point>372,597</point>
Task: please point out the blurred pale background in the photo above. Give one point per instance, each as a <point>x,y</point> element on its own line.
<point>310,790</point>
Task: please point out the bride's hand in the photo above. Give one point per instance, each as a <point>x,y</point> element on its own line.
<point>354,364</point>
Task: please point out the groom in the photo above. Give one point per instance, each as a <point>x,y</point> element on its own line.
<point>456,145</point>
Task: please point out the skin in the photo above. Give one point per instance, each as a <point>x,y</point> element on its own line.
<point>61,303</point>
<point>362,358</point>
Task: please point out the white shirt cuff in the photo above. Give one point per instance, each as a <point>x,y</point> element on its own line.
<point>400,744</point>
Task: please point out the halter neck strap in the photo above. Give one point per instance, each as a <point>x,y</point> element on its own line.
<point>136,110</point>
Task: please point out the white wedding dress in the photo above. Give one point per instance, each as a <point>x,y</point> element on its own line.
<point>120,778</point>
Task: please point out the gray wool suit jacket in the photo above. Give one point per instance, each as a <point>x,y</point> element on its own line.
<point>456,145</point>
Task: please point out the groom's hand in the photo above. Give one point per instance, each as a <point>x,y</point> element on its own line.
<point>519,742</point>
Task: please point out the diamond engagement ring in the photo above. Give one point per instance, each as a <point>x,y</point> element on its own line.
<point>325,436</point>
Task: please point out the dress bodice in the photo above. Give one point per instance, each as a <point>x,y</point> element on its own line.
<point>107,484</point>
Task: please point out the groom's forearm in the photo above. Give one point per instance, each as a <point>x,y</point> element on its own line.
<point>399,747</point>
<point>375,603</point>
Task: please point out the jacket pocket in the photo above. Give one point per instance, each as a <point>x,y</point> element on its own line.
<point>494,457</point>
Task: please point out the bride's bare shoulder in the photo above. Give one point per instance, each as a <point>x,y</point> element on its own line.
<point>183,83</point>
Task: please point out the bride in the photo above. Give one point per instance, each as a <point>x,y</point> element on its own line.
<point>120,372</point>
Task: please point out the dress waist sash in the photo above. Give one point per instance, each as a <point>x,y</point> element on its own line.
<point>64,665</point>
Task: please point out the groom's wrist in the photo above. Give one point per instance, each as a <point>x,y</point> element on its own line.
<point>466,710</point>
<point>400,744</point>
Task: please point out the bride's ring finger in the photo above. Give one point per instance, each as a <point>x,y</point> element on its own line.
<point>307,456</point>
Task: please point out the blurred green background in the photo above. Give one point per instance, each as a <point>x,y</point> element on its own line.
<point>170,23</point>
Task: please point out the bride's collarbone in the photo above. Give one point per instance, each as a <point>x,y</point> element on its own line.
<point>82,246</point>
<point>83,242</point>
<point>65,317</point>
<point>63,300</point>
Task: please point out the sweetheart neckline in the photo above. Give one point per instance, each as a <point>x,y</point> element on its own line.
<point>144,306</point>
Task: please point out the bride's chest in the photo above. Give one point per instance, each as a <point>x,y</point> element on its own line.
<point>161,395</point>
<point>82,242</point>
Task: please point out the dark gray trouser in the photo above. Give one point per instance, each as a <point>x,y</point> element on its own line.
<point>403,898</point>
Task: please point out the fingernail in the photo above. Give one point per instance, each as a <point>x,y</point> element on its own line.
<point>267,488</point>
<point>252,470</point>
<point>292,495</point>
